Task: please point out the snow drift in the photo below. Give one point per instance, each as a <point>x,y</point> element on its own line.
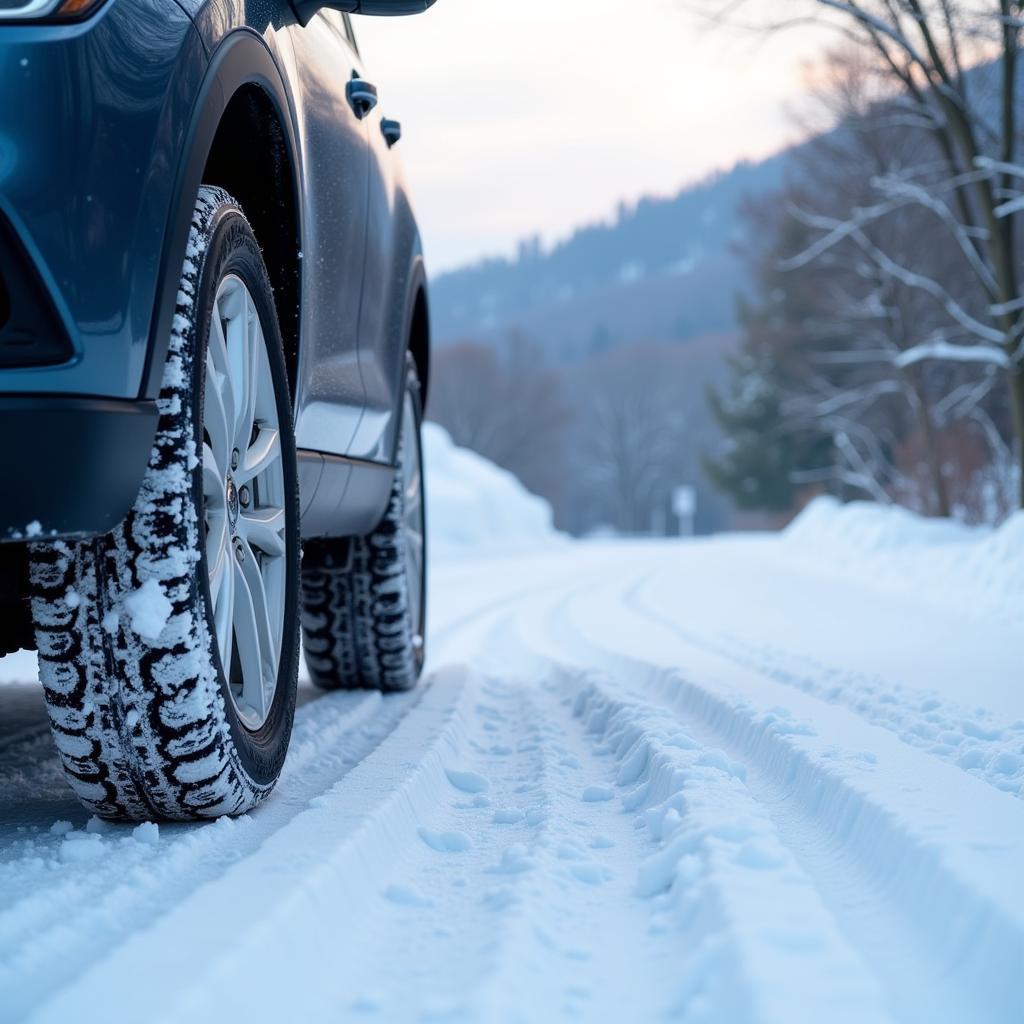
<point>474,506</point>
<point>970,569</point>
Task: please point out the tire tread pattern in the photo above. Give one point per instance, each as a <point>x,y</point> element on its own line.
<point>356,614</point>
<point>140,721</point>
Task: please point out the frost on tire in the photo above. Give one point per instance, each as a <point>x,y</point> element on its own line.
<point>126,654</point>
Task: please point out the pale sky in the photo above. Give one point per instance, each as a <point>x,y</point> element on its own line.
<point>527,117</point>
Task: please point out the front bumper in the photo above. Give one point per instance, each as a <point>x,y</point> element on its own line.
<point>70,467</point>
<point>93,128</point>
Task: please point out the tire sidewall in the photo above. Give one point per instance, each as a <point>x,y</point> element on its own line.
<point>233,249</point>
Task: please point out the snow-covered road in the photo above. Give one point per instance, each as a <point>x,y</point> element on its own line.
<point>643,781</point>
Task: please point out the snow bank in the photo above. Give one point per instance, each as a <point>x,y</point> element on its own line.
<point>976,570</point>
<point>473,506</point>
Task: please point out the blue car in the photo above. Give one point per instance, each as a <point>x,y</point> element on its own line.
<point>214,353</point>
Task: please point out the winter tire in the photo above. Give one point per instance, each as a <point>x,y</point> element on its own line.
<point>168,649</point>
<point>364,598</point>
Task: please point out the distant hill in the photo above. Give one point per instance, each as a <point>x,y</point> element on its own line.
<point>667,269</point>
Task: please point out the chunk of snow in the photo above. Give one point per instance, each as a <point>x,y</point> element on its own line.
<point>468,782</point>
<point>507,816</point>
<point>588,872</point>
<point>149,609</point>
<point>445,842</point>
<point>406,895</point>
<point>514,861</point>
<point>148,832</point>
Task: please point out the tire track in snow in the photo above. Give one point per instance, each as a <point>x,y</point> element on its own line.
<point>951,915</point>
<point>456,875</point>
<point>713,854</point>
<point>974,742</point>
<point>539,876</point>
<point>465,630</point>
<point>62,914</point>
<point>591,947</point>
<point>733,798</point>
<point>68,900</point>
<point>298,894</point>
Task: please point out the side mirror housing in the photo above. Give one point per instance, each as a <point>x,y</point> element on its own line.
<point>305,9</point>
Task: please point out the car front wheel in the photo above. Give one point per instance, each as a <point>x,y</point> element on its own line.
<point>168,649</point>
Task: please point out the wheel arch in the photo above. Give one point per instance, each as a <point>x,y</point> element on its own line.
<point>241,134</point>
<point>419,336</point>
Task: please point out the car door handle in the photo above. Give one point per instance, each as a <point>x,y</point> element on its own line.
<point>362,96</point>
<point>391,130</point>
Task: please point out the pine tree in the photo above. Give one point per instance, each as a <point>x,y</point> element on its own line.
<point>768,456</point>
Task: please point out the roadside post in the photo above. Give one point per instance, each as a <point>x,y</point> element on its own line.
<point>684,505</point>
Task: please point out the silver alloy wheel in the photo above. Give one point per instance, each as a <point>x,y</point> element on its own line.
<point>244,503</point>
<point>413,517</point>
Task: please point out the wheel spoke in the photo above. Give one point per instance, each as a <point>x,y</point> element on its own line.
<point>260,455</point>
<point>257,645</point>
<point>264,529</point>
<point>217,533</point>
<point>244,497</point>
<point>224,609</point>
<point>213,478</point>
<point>218,553</point>
<point>217,420</point>
<point>244,351</point>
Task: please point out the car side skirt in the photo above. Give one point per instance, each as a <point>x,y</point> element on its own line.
<point>339,496</point>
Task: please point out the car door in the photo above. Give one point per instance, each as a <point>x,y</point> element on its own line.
<point>382,341</point>
<point>330,393</point>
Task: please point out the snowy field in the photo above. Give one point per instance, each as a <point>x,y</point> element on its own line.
<point>757,778</point>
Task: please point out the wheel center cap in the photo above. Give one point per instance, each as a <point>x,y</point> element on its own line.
<point>232,503</point>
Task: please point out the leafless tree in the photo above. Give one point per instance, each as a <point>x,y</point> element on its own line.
<point>891,411</point>
<point>631,443</point>
<point>507,405</point>
<point>950,76</point>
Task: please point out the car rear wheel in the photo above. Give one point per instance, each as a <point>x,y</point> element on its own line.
<point>364,598</point>
<point>168,649</point>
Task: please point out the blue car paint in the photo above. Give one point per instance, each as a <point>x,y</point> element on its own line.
<point>104,130</point>
<point>92,120</point>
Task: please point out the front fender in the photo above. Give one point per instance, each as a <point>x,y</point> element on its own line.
<point>242,57</point>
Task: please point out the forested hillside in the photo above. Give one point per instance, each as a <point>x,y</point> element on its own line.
<point>664,269</point>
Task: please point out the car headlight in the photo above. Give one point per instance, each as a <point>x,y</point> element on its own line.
<point>46,10</point>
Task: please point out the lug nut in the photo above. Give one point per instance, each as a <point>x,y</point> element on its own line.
<point>239,552</point>
<point>234,459</point>
<point>243,496</point>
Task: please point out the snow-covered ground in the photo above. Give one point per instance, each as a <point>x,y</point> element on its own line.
<point>758,778</point>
